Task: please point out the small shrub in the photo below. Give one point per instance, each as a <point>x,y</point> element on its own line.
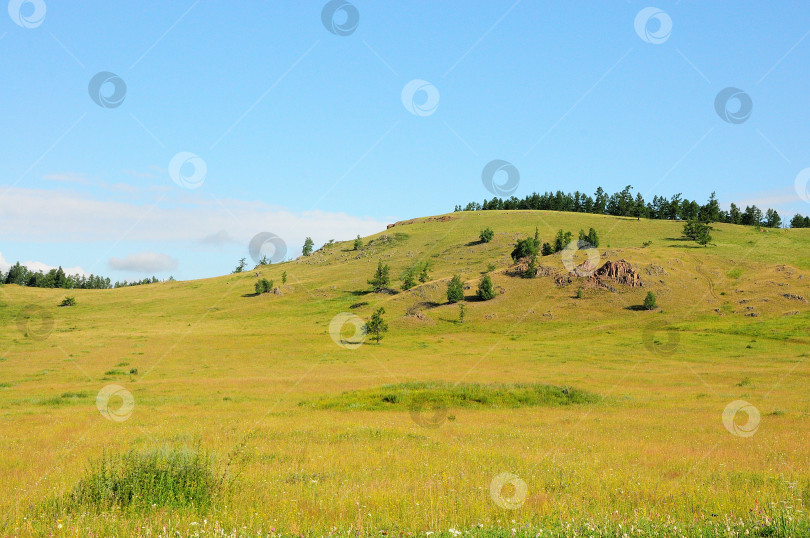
<point>486,235</point>
<point>133,371</point>
<point>490,267</point>
<point>68,301</point>
<point>263,286</point>
<point>455,290</point>
<point>649,301</point>
<point>580,294</point>
<point>462,311</point>
<point>358,243</point>
<point>486,290</point>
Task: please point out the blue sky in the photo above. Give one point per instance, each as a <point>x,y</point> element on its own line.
<point>305,132</point>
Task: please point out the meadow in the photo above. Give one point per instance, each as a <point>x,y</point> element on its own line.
<point>200,408</point>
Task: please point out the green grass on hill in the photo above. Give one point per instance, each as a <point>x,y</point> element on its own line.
<point>648,444</point>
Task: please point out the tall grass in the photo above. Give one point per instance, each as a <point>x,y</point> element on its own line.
<point>144,480</point>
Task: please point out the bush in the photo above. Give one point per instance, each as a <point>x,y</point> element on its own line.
<point>263,286</point>
<point>649,301</point>
<point>580,293</point>
<point>486,290</point>
<point>358,243</point>
<point>697,231</point>
<point>68,301</point>
<point>143,480</point>
<point>486,235</point>
<point>526,248</point>
<point>547,249</point>
<point>455,290</point>
<point>593,239</point>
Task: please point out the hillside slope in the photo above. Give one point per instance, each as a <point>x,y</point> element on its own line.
<point>207,362</point>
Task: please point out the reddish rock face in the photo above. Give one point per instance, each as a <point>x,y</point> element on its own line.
<point>390,226</point>
<point>620,271</point>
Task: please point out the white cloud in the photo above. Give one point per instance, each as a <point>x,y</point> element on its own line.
<point>218,239</point>
<point>179,216</point>
<point>144,262</point>
<point>39,266</point>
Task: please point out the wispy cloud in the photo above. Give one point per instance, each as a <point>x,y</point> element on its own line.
<point>183,217</point>
<point>39,266</point>
<point>218,239</point>
<point>144,262</point>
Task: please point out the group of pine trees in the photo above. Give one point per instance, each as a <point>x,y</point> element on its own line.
<point>625,204</point>
<point>56,278</point>
<point>800,222</point>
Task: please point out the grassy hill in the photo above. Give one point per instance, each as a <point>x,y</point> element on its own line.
<point>610,415</point>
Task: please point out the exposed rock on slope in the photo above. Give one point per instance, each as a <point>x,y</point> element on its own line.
<point>620,271</point>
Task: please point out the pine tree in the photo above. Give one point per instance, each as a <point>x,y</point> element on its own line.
<point>380,280</point>
<point>375,326</point>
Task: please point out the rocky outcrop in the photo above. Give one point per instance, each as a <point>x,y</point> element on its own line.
<point>620,272</point>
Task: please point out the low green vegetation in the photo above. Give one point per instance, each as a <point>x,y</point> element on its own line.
<point>486,235</point>
<point>459,396</point>
<point>68,301</point>
<point>144,481</point>
<point>263,286</point>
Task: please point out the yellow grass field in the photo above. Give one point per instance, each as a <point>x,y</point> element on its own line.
<point>212,368</point>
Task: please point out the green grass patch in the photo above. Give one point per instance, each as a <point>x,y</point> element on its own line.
<point>141,481</point>
<point>734,273</point>
<point>405,396</point>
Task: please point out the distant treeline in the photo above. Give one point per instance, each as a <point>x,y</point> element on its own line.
<point>56,278</point>
<point>625,204</point>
